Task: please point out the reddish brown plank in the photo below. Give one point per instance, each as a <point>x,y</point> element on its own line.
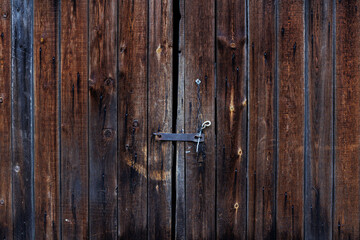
<point>22,118</point>
<point>160,97</point>
<point>6,228</point>
<point>132,120</point>
<point>74,119</point>
<point>199,102</point>
<point>290,179</point>
<point>231,119</point>
<point>262,123</point>
<point>103,119</point>
<point>347,122</point>
<point>46,136</point>
<point>318,195</point>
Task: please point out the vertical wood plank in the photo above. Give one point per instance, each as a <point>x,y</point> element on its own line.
<point>46,135</point>
<point>179,62</point>
<point>263,120</point>
<point>231,119</point>
<point>74,118</point>
<point>160,107</point>
<point>132,119</point>
<point>103,119</point>
<point>199,102</point>
<point>22,118</point>
<point>347,123</point>
<point>318,195</point>
<point>6,226</point>
<point>290,179</point>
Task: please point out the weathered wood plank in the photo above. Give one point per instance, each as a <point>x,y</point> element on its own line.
<point>263,120</point>
<point>318,188</point>
<point>347,122</point>
<point>46,135</point>
<point>231,119</point>
<point>22,118</point>
<point>290,167</point>
<point>160,90</point>
<point>103,119</point>
<point>6,220</point>
<point>132,120</point>
<point>74,119</point>
<point>179,62</point>
<point>199,102</point>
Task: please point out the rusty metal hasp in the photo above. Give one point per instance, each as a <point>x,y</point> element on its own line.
<point>180,137</point>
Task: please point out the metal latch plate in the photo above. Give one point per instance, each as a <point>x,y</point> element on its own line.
<point>181,137</point>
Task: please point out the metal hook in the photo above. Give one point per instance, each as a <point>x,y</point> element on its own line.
<point>203,126</point>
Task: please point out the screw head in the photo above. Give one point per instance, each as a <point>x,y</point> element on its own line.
<point>198,81</point>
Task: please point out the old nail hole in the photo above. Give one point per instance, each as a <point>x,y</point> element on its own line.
<point>17,169</point>
<point>236,206</point>
<point>136,123</point>
<point>108,81</point>
<point>240,152</point>
<point>2,202</point>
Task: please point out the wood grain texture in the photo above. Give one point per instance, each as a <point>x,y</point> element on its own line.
<point>22,118</point>
<point>46,135</point>
<point>160,90</point>
<point>231,119</point>
<point>199,102</point>
<point>318,189</point>
<point>290,179</point>
<point>74,119</point>
<point>132,120</point>
<point>6,220</point>
<point>103,119</point>
<point>179,62</point>
<point>263,120</point>
<point>347,122</point>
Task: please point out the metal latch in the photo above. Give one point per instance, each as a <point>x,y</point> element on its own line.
<point>180,137</point>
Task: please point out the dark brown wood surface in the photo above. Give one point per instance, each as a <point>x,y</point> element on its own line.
<point>103,119</point>
<point>263,120</point>
<point>290,166</point>
<point>46,134</point>
<point>319,158</point>
<point>232,106</point>
<point>6,220</point>
<point>85,84</point>
<point>133,120</point>
<point>199,104</point>
<point>74,119</point>
<point>347,122</point>
<point>160,118</point>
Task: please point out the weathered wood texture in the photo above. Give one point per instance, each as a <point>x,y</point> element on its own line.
<point>103,119</point>
<point>263,120</point>
<point>133,120</point>
<point>319,167</point>
<point>22,118</point>
<point>46,135</point>
<point>74,119</point>
<point>199,104</point>
<point>85,84</point>
<point>231,95</point>
<point>160,118</point>
<point>6,220</point>
<point>347,122</point>
<point>290,165</point>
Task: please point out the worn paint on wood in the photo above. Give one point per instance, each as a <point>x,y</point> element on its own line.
<point>263,120</point>
<point>22,118</point>
<point>132,120</point>
<point>319,167</point>
<point>103,119</point>
<point>199,104</point>
<point>347,122</point>
<point>46,135</point>
<point>160,98</point>
<point>6,220</point>
<point>74,119</point>
<point>231,119</point>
